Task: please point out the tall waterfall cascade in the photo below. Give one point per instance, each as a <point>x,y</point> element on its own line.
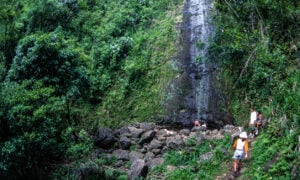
<point>202,31</point>
<point>193,94</point>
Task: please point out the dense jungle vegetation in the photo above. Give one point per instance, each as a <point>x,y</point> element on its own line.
<point>257,42</point>
<point>70,66</point>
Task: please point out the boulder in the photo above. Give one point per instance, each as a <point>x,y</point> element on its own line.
<point>121,154</point>
<point>138,169</point>
<point>146,126</point>
<point>149,155</point>
<point>124,142</point>
<point>174,142</point>
<point>104,138</point>
<point>147,137</point>
<point>161,133</point>
<point>198,128</point>
<point>134,155</point>
<point>156,151</point>
<point>165,149</point>
<point>123,130</point>
<point>185,132</point>
<point>135,132</point>
<point>154,162</point>
<point>155,144</point>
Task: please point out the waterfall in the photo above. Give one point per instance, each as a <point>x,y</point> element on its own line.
<point>202,31</point>
<point>193,93</point>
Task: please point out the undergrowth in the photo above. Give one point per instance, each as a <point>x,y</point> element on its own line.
<point>187,164</point>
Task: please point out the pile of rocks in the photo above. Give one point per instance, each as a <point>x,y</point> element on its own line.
<point>144,144</point>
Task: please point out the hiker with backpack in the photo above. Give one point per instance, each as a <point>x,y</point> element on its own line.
<point>240,147</point>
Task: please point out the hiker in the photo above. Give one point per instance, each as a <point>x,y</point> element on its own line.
<point>241,150</point>
<point>253,117</point>
<point>197,122</point>
<point>258,122</point>
<point>203,124</point>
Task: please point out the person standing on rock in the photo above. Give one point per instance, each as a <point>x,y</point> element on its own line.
<point>197,123</point>
<point>240,147</point>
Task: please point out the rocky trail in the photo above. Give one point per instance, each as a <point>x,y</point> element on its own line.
<point>139,147</point>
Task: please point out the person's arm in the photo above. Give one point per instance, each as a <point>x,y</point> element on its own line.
<point>234,144</point>
<point>246,148</point>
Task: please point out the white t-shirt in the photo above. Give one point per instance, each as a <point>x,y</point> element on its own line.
<point>240,145</point>
<point>253,117</point>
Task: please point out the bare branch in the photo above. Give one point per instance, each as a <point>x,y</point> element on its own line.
<point>245,67</point>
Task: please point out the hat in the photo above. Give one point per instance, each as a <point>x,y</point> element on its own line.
<point>243,135</point>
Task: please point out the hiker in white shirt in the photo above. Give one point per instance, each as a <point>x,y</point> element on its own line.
<point>253,117</point>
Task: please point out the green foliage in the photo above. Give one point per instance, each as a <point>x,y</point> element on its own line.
<point>78,145</point>
<point>187,162</point>
<point>67,67</point>
<point>52,59</point>
<point>256,44</point>
<point>32,119</point>
<point>47,15</point>
<point>258,62</point>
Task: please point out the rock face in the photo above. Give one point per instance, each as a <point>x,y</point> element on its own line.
<point>194,93</point>
<point>144,144</point>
